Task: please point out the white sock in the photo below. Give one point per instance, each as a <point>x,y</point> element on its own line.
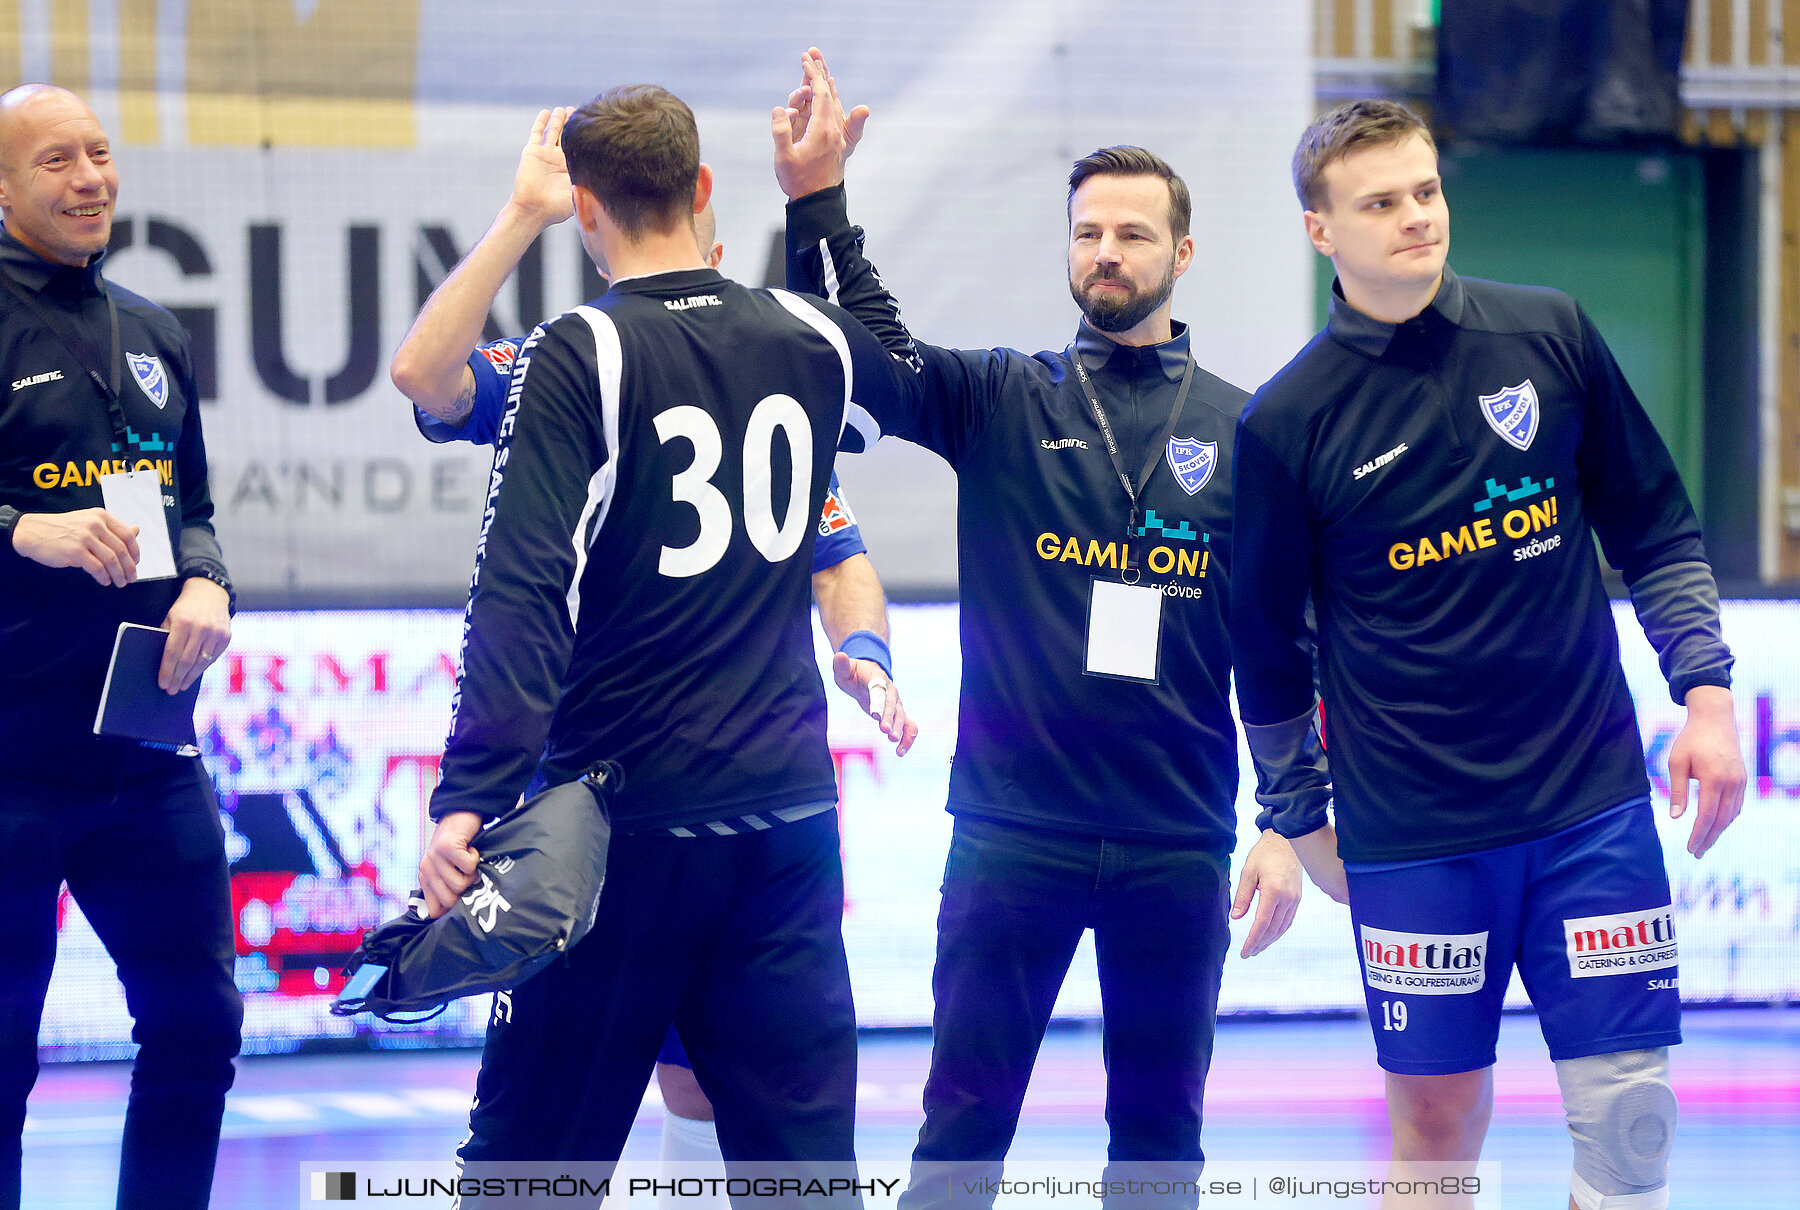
<point>690,1148</point>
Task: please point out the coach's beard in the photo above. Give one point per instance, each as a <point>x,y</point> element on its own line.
<point>1116,313</point>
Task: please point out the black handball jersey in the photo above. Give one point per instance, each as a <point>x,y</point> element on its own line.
<point>640,591</point>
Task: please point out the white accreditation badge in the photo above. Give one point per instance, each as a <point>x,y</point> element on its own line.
<point>135,497</point>
<point>1124,634</point>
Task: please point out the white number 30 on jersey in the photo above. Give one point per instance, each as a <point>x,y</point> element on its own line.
<point>774,540</point>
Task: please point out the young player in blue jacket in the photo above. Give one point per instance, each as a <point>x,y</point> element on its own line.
<point>1430,469</point>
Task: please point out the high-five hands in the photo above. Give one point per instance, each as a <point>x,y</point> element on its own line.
<point>813,134</point>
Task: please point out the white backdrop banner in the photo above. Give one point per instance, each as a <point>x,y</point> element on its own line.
<point>295,204</point>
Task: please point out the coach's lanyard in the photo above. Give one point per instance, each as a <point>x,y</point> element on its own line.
<point>134,497</point>
<point>90,360</point>
<point>1112,446</point>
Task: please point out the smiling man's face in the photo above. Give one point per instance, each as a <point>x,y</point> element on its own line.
<point>58,183</point>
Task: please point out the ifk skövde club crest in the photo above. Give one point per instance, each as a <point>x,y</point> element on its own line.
<point>1513,413</point>
<point>147,368</point>
<point>1192,461</point>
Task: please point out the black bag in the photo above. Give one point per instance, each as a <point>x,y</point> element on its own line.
<point>535,894</point>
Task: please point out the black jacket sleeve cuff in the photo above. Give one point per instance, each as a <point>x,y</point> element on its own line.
<point>813,216</point>
<point>1678,607</point>
<point>9,517</point>
<point>1293,783</point>
<point>205,569</point>
<point>1679,685</point>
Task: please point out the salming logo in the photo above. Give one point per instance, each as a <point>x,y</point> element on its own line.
<point>692,301</point>
<point>1375,464</point>
<point>20,384</point>
<point>1064,443</point>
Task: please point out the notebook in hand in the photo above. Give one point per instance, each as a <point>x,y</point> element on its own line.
<point>132,706</point>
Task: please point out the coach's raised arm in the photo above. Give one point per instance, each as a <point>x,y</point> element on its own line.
<point>1095,776</point>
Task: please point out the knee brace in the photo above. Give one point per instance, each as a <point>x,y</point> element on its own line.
<point>1621,1114</point>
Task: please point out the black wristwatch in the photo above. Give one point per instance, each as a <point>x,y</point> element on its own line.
<point>9,518</point>
<point>218,577</point>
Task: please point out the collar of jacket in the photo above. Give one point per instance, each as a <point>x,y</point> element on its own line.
<point>35,273</point>
<point>1098,351</point>
<point>1370,336</point>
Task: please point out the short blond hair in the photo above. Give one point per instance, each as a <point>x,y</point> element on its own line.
<point>1348,128</point>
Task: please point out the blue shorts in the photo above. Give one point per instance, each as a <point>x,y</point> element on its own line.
<point>673,1051</point>
<point>1585,913</point>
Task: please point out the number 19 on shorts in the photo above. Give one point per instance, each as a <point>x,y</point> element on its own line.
<point>1393,1015</point>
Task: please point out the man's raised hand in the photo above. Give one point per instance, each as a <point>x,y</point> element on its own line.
<point>813,134</point>
<point>541,188</point>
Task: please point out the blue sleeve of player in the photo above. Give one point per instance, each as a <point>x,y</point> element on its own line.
<point>838,536</point>
<point>492,366</point>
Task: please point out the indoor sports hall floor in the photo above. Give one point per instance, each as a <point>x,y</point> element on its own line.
<point>1280,1090</point>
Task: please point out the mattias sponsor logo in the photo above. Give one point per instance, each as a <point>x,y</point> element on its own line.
<point>1621,944</point>
<point>1380,460</point>
<point>1424,964</point>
